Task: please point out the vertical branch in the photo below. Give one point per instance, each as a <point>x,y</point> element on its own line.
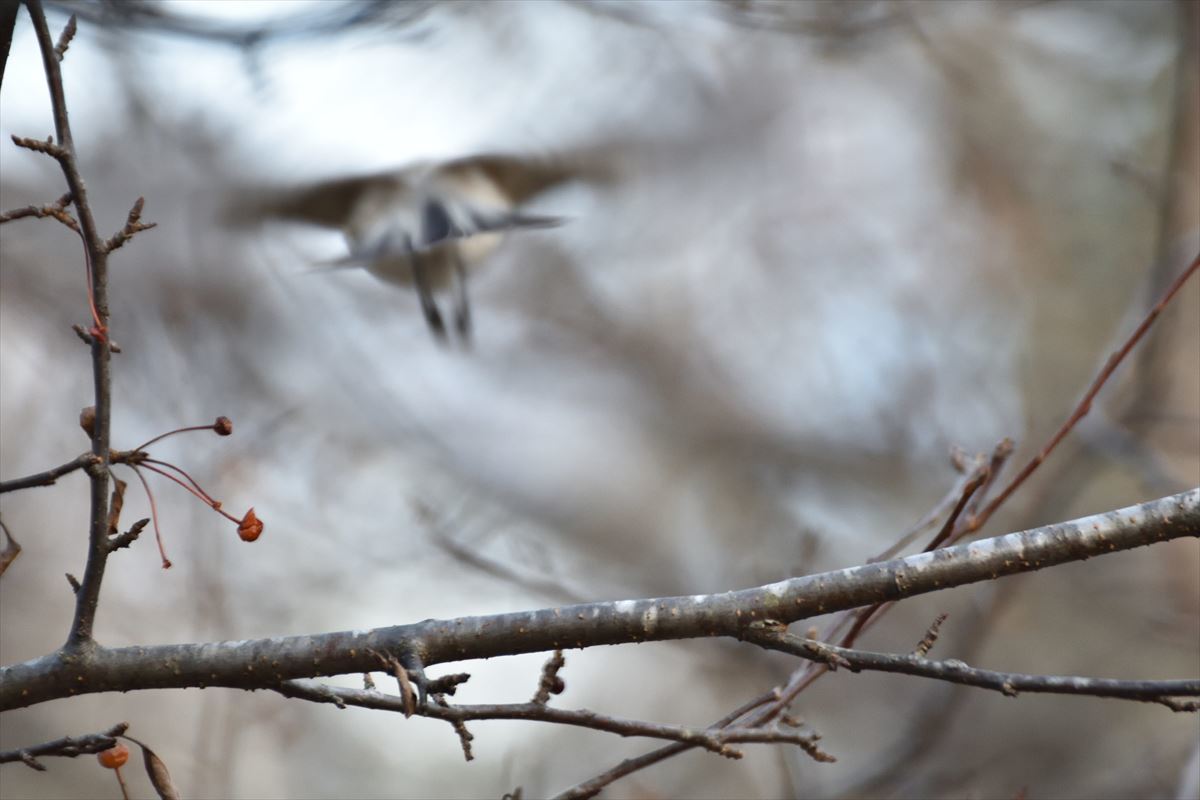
<point>88,595</point>
<point>8,23</point>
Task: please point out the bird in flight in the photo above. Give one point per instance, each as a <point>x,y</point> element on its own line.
<point>425,226</point>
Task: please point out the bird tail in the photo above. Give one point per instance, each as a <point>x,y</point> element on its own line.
<point>519,220</point>
<point>326,266</point>
<point>512,220</point>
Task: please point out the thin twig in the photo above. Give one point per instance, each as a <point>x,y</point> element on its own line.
<point>1085,404</point>
<point>955,671</point>
<point>943,506</point>
<point>933,715</point>
<point>50,476</point>
<point>66,747</point>
<point>947,529</point>
<point>931,636</point>
<point>465,737</point>
<point>154,465</point>
<point>133,226</point>
<point>64,39</point>
<point>175,432</point>
<point>128,537</point>
<point>594,785</point>
<point>166,562</point>
<point>550,683</point>
<point>717,740</point>
<point>56,210</point>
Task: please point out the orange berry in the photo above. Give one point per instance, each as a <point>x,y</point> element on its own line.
<point>250,528</point>
<point>113,757</point>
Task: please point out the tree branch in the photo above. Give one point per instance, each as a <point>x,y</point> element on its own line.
<point>57,210</point>
<point>68,747</point>
<point>265,663</point>
<point>955,671</point>
<point>50,476</point>
<point>88,596</point>
<point>1085,405</point>
<point>8,23</point>
<point>715,739</point>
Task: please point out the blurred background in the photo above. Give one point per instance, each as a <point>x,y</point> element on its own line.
<point>833,241</point>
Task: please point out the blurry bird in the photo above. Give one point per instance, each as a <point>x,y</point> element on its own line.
<point>424,226</point>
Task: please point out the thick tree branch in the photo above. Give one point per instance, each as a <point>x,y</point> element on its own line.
<point>265,663</point>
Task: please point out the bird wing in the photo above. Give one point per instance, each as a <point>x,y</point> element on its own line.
<point>327,204</point>
<point>523,178</point>
<point>479,193</point>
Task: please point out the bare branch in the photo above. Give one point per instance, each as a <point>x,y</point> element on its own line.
<point>50,476</point>
<point>549,683</point>
<point>130,536</point>
<point>8,22</point>
<point>88,596</point>
<point>740,716</point>
<point>718,740</point>
<point>56,210</point>
<point>1085,404</point>
<point>955,671</point>
<point>931,636</point>
<point>943,506</point>
<point>465,737</point>
<point>47,147</point>
<point>133,225</point>
<point>64,39</point>
<point>729,614</point>
<point>67,747</point>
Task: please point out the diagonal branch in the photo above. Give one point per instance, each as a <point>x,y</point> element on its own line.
<point>265,663</point>
<point>57,210</point>
<point>1085,405</point>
